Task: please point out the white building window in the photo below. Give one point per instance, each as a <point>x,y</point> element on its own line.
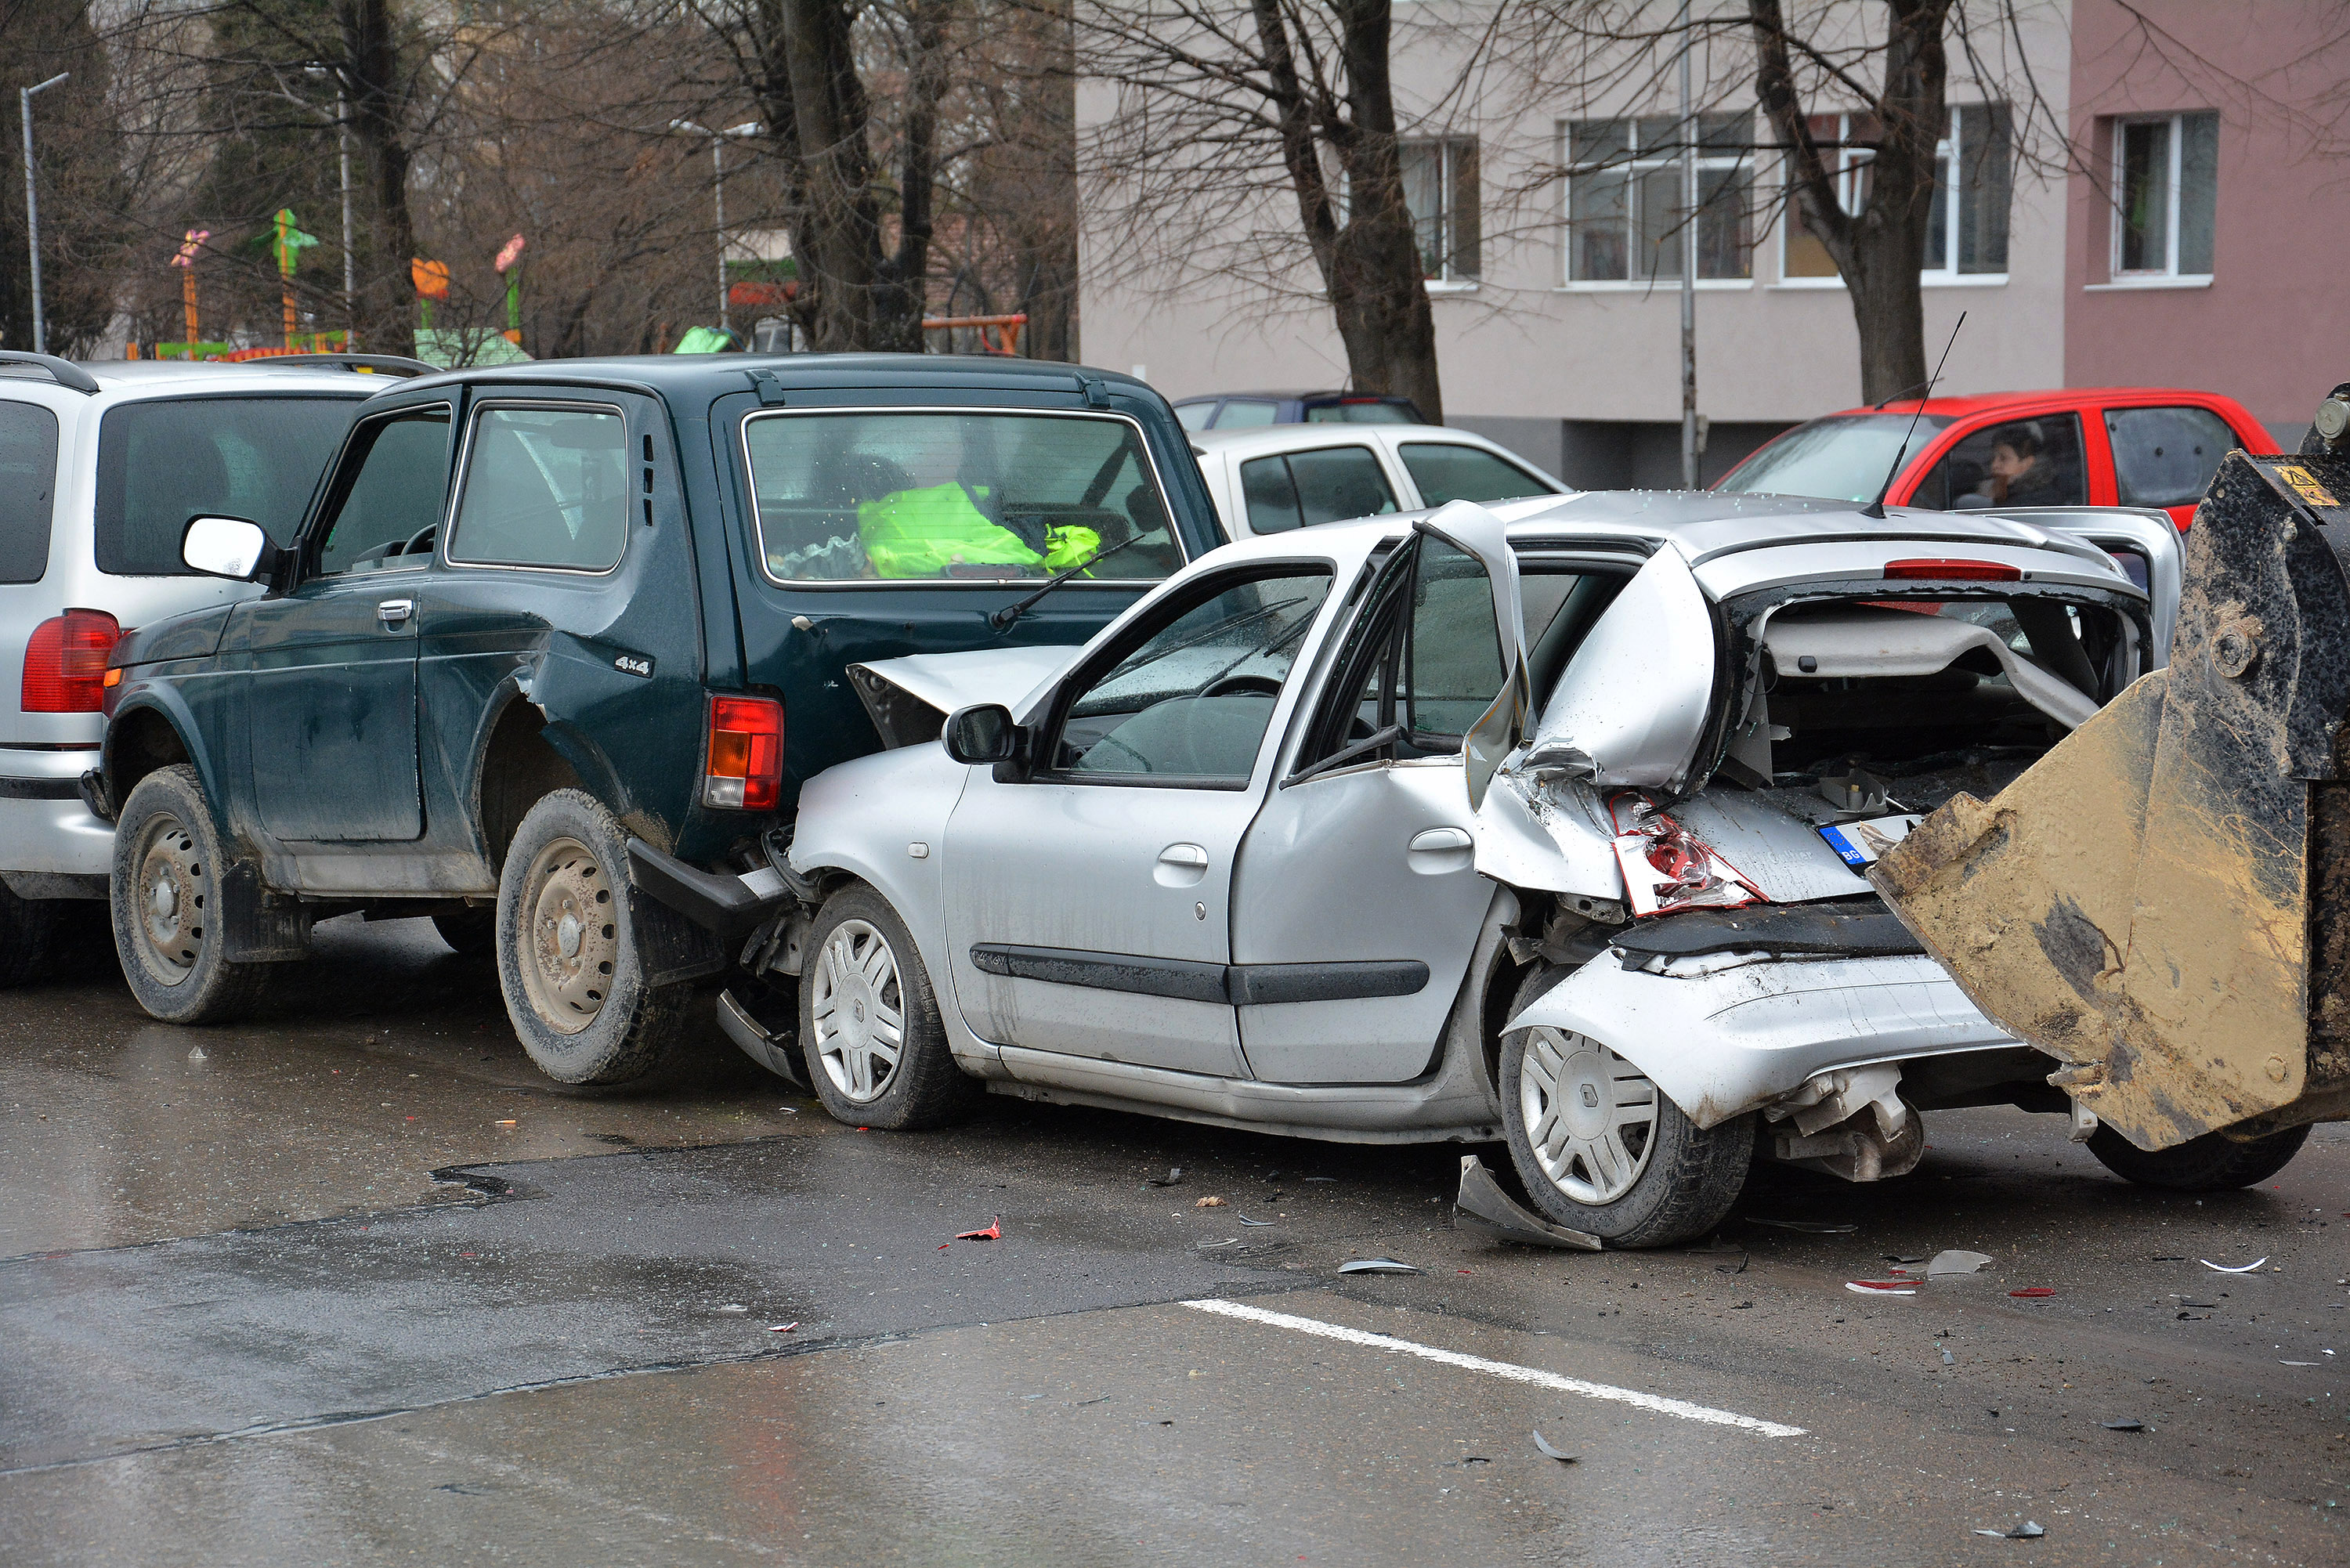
<point>2166,187</point>
<point>1626,210</point>
<point>1966,233</point>
<point>1439,187</point>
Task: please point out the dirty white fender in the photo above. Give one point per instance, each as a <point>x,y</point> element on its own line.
<point>1723,1043</point>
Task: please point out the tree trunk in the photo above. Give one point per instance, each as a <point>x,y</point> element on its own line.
<point>1880,252</point>
<point>1370,265</point>
<point>902,281</point>
<point>1045,234</point>
<point>378,104</point>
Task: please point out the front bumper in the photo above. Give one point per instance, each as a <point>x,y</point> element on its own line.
<point>44,825</point>
<point>1727,1034</point>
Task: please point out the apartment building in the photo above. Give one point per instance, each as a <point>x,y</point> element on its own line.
<point>2176,230</point>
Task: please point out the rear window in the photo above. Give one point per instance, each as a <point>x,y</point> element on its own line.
<point>954,496</point>
<point>1444,473</point>
<point>163,462</point>
<point>1361,411</point>
<point>1841,459</point>
<point>28,480</point>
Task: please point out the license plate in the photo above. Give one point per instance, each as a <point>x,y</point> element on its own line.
<point>1861,843</point>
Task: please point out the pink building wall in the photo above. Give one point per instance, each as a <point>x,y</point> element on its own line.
<point>2272,329</point>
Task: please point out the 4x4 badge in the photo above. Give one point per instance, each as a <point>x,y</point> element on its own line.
<point>632,664</point>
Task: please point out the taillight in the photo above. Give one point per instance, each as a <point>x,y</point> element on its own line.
<point>1955,571</point>
<point>746,754</point>
<point>65,662</point>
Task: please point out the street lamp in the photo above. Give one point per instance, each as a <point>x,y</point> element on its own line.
<point>32,207</point>
<point>343,139</point>
<point>718,189</point>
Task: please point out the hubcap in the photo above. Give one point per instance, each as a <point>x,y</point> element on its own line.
<point>571,944</point>
<point>858,1007</point>
<point>1590,1115</point>
<point>171,924</point>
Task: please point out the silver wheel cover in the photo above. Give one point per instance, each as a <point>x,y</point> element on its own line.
<point>1590,1115</point>
<point>858,1007</point>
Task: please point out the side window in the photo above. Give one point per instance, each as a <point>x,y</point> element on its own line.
<point>1194,416</point>
<point>28,480</point>
<point>1190,703</point>
<point>386,513</point>
<point>1445,472</point>
<point>2020,462</point>
<point>545,487</point>
<point>1304,488</point>
<point>1247,413</point>
<point>2166,457</point>
<point>1452,668</point>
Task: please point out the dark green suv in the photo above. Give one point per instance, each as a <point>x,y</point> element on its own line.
<point>557,643</point>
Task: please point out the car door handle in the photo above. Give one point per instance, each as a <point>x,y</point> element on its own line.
<point>1438,840</point>
<point>1188,855</point>
<point>1181,865</point>
<point>394,613</point>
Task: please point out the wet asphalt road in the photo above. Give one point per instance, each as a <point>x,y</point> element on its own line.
<point>243,1321</point>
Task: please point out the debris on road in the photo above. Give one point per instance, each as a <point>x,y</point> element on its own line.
<point>2027,1531</point>
<point>993,1233</point>
<point>2225,1269</point>
<point>783,1327</point>
<point>734,1306</point>
<point>1210,1202</point>
<point>1377,1266</point>
<point>1174,1174</point>
<point>1482,1203</point>
<point>2127,1424</point>
<point>1948,1359</point>
<point>196,1054</point>
<point>1246,1220</point>
<point>1808,1226</point>
<point>1544,1444</point>
<point>1882,1287</point>
<point>510,1121</point>
<point>2031,1293</point>
<point>1951,1263</point>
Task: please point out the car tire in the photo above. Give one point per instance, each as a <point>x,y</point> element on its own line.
<point>1601,1150</point>
<point>470,932</point>
<point>31,933</point>
<point>2212,1163</point>
<point>862,969</point>
<point>170,929</point>
<point>570,963</point>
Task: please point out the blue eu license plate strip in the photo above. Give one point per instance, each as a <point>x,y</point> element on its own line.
<point>1860,843</point>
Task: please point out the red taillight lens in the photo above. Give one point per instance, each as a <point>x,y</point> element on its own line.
<point>746,754</point>
<point>1955,571</point>
<point>65,662</point>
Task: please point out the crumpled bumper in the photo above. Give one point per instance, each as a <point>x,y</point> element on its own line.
<point>1724,1034</point>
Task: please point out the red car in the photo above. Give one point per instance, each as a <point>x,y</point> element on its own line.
<point>2104,446</point>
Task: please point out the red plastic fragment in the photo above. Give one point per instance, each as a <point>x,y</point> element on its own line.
<point>944,1245</point>
<point>1885,1284</point>
<point>2033,1293</point>
<point>995,1232</point>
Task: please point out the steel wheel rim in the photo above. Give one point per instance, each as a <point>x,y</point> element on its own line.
<point>858,1007</point>
<point>1590,1115</point>
<point>570,937</point>
<point>169,917</point>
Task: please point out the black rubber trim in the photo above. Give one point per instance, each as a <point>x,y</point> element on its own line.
<point>1857,927</point>
<point>40,789</point>
<point>1239,985</point>
<point>711,900</point>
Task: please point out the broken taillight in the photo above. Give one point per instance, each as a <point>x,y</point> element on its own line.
<point>1668,869</point>
<point>1954,571</point>
<point>746,754</point>
<point>65,662</point>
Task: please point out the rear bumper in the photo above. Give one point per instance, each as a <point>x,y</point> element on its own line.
<point>44,825</point>
<point>1720,1042</point>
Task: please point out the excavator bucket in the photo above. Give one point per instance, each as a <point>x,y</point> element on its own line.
<point>2162,903</point>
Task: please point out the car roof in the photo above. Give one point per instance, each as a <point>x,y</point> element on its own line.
<point>689,376</point>
<point>1260,439</point>
<point>160,376</point>
<point>1995,403</point>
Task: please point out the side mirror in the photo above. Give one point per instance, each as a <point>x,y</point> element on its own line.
<point>224,548</point>
<point>983,733</point>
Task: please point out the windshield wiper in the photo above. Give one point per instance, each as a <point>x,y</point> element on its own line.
<point>1004,617</point>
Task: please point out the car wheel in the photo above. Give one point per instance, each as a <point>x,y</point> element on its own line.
<point>2212,1163</point>
<point>569,963</point>
<point>165,897</point>
<point>30,933</point>
<point>470,932</point>
<point>870,1022</point>
<point>1600,1150</point>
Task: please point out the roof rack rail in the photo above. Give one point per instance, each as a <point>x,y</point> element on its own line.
<point>378,364</point>
<point>64,372</point>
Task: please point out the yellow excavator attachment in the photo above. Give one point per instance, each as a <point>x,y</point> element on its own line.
<point>2162,902</point>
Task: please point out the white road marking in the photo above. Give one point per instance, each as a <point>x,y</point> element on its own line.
<point>1504,1369</point>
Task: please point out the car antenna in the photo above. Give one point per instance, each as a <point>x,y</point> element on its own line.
<point>1001,620</point>
<point>1877,508</point>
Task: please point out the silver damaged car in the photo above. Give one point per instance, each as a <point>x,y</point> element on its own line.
<point>1545,823</point>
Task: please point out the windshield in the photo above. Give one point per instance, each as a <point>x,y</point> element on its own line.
<point>1840,459</point>
<point>935,496</point>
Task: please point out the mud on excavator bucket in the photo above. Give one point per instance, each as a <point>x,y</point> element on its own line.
<point>2163,901</point>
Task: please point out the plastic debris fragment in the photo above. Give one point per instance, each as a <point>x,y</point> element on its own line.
<point>1377,1266</point>
<point>1948,1359</point>
<point>1956,1262</point>
<point>2033,1293</point>
<point>783,1327</point>
<point>1482,1205</point>
<point>1881,1287</point>
<point>2027,1531</point>
<point>2224,1269</point>
<point>995,1232</point>
<point>196,1054</point>
<point>733,1306</point>
<point>1174,1174</point>
<point>2127,1424</point>
<point>1549,1452</point>
<point>1809,1227</point>
<point>1246,1220</point>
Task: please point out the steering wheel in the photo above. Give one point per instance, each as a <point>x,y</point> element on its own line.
<point>1244,685</point>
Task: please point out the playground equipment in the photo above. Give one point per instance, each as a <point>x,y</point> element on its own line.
<point>287,247</point>
<point>1005,328</point>
<point>510,268</point>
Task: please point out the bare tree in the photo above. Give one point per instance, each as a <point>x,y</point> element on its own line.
<point>82,183</point>
<point>1225,109</point>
